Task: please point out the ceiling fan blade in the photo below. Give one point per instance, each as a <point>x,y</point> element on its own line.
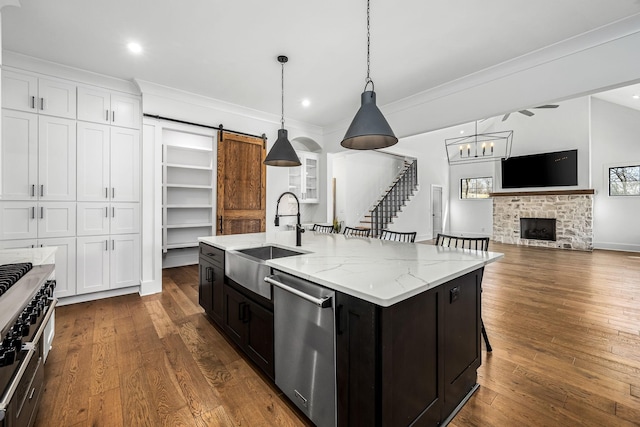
<point>526,113</point>
<point>506,116</point>
<point>548,106</point>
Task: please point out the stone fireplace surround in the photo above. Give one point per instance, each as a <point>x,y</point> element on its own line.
<point>572,209</point>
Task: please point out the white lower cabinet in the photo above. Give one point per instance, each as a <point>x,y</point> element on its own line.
<point>65,260</point>
<point>108,262</point>
<point>65,264</point>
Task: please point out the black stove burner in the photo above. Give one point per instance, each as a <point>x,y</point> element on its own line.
<point>11,273</point>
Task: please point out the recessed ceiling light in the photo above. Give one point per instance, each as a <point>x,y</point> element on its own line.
<point>305,103</point>
<point>636,96</point>
<point>134,47</point>
<point>461,132</point>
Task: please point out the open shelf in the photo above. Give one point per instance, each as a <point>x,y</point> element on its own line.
<point>187,194</point>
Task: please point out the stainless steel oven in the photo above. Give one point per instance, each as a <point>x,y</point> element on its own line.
<point>26,307</point>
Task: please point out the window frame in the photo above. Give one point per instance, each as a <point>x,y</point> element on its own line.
<point>470,179</point>
<point>621,166</point>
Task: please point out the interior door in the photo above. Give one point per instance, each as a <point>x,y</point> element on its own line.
<point>241,184</point>
<point>436,209</point>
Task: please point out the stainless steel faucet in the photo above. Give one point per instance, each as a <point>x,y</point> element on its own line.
<point>299,229</point>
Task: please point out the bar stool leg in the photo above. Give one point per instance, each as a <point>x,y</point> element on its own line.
<point>486,338</point>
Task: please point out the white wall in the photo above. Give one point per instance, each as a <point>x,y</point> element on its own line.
<point>361,178</point>
<point>429,150</point>
<point>562,128</point>
<point>615,142</point>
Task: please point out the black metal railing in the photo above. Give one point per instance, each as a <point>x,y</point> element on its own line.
<point>394,199</point>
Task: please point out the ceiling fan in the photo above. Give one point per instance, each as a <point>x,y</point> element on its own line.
<point>530,113</point>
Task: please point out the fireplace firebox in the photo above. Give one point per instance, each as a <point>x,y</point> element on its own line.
<point>538,228</point>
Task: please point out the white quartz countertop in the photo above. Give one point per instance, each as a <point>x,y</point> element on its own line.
<point>381,272</point>
<point>36,256</point>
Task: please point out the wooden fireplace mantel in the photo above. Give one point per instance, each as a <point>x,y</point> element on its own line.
<point>544,193</point>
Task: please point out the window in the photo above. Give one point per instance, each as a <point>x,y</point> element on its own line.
<point>624,181</point>
<point>475,188</point>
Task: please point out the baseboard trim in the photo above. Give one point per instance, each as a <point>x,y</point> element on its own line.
<point>624,247</point>
<point>76,299</point>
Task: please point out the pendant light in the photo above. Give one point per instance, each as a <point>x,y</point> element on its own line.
<point>282,153</point>
<point>369,129</point>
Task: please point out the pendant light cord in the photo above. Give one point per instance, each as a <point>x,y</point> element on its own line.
<point>368,79</point>
<point>282,92</point>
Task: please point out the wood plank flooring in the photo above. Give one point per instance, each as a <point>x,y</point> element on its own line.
<point>564,326</point>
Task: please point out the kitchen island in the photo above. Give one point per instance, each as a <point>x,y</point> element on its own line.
<point>407,320</point>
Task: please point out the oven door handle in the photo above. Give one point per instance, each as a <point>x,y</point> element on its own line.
<point>13,385</point>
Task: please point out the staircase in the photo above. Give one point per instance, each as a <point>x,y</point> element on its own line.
<point>393,200</point>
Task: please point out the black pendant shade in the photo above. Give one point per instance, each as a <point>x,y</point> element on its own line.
<point>282,153</point>
<point>369,129</point>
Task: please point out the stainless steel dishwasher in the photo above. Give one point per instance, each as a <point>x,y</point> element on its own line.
<point>304,345</point>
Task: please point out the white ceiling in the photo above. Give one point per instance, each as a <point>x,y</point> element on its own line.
<point>227,49</point>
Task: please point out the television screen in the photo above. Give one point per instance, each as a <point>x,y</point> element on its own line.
<point>541,170</point>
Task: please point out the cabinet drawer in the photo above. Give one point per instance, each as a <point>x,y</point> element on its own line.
<point>215,255</point>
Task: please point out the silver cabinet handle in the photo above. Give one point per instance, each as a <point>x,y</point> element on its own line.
<point>113,192</point>
<point>42,104</point>
<point>106,245</point>
<point>106,192</point>
<point>33,190</point>
<point>107,115</point>
<point>113,212</point>
<point>41,212</point>
<point>113,116</point>
<point>33,212</point>
<point>320,302</point>
<point>113,245</point>
<point>33,102</point>
<point>106,211</point>
<point>41,190</point>
<point>32,392</point>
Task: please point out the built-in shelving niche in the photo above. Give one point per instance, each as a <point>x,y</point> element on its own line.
<point>188,193</point>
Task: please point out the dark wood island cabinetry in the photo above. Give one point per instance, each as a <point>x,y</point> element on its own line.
<point>211,281</point>
<point>407,325</point>
<point>411,363</point>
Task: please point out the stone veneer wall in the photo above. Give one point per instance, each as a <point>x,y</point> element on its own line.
<point>573,214</point>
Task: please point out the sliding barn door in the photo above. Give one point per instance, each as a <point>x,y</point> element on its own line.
<point>241,184</point>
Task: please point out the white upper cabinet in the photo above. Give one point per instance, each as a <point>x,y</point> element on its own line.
<point>125,165</point>
<point>125,111</point>
<point>57,98</point>
<point>28,92</point>
<point>108,163</point>
<point>18,156</point>
<point>56,159</point>
<point>102,106</point>
<point>38,157</point>
<point>93,162</point>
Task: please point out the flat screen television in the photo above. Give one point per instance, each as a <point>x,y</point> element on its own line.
<point>541,170</point>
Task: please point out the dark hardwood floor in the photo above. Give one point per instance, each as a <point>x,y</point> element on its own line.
<point>564,326</point>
